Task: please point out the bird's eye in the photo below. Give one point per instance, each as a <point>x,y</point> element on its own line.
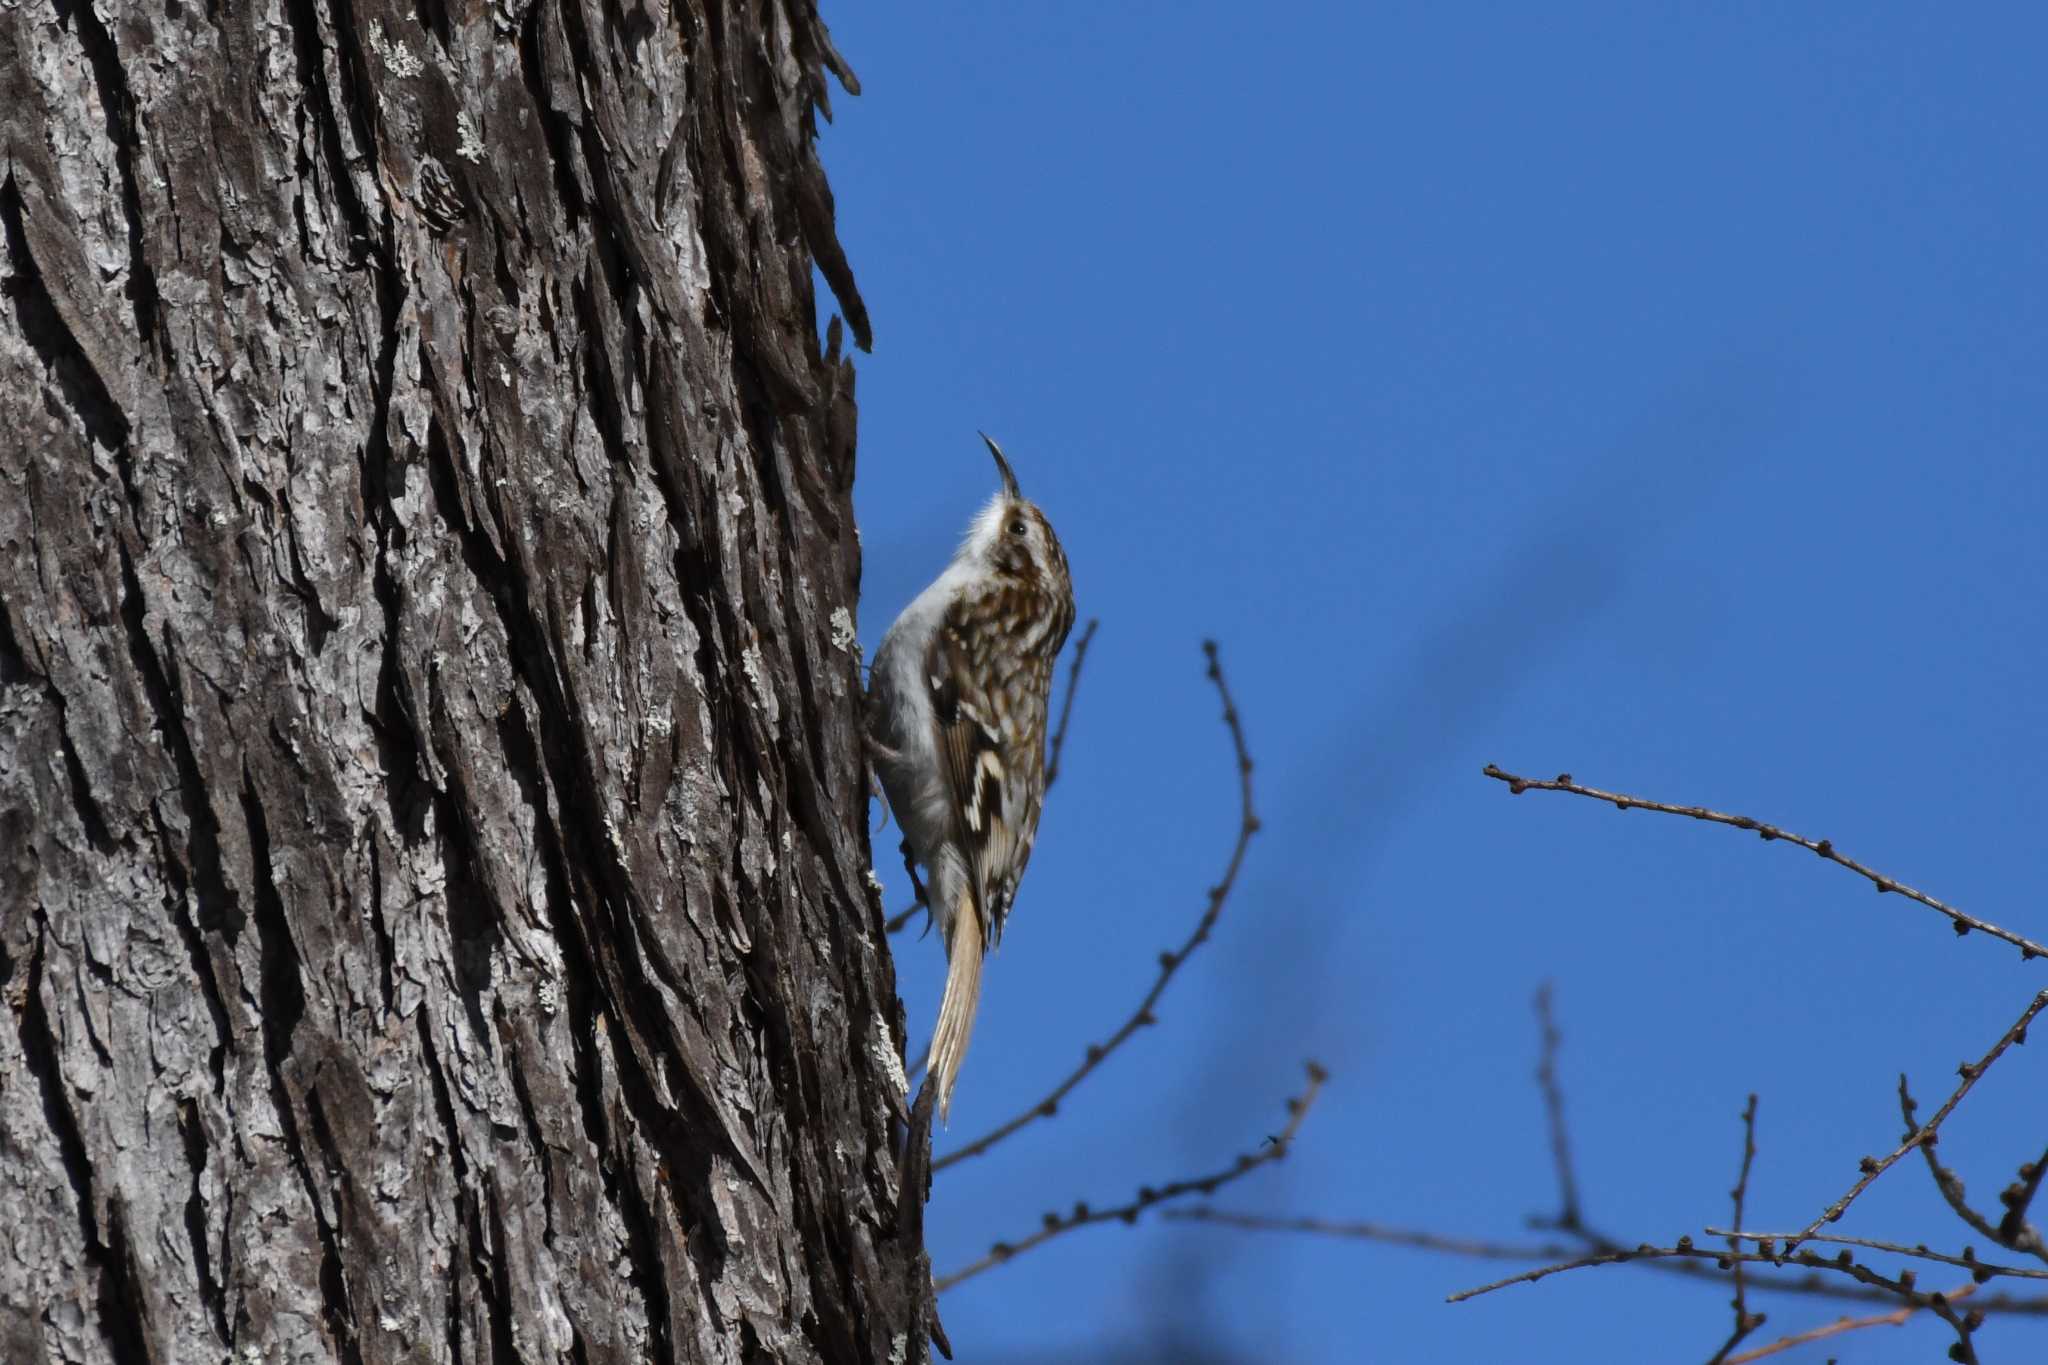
<point>1016,528</point>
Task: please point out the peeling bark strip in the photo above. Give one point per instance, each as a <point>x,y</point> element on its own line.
<point>432,913</point>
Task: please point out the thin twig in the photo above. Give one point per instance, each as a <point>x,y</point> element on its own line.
<point>1169,961</point>
<point>1053,1224</point>
<point>1839,1327</point>
<point>1980,1270</point>
<point>1377,1232</point>
<point>1745,1321</point>
<point>1743,1327</point>
<point>1059,734</point>
<point>1823,848</point>
<point>1058,747</point>
<point>1568,1218</point>
<point>1621,1256</point>
<point>1970,1071</point>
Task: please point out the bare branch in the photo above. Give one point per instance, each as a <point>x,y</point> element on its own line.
<point>1970,1071</point>
<point>1378,1232</point>
<point>1059,734</point>
<point>1623,1255</point>
<point>1743,1327</point>
<point>1745,1321</point>
<point>1839,1327</point>
<point>1053,1224</point>
<point>1809,1284</point>
<point>1821,847</point>
<point>1052,762</point>
<point>1169,961</point>
<point>1568,1218</point>
<point>1980,1270</point>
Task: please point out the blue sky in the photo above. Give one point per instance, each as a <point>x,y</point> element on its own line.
<point>1658,396</point>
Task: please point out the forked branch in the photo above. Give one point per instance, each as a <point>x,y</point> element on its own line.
<point>1971,1072</point>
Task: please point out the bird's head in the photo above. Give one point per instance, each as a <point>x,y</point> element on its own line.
<point>1013,538</point>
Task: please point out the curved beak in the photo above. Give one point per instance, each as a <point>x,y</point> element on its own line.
<point>1009,478</point>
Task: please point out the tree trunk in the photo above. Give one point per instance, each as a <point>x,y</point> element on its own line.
<point>434,911</point>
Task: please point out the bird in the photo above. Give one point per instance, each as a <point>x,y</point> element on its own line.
<point>956,720</point>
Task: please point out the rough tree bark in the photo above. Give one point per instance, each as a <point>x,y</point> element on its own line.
<point>434,913</point>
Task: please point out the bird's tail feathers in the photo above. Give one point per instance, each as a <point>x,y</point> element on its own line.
<point>957,1006</point>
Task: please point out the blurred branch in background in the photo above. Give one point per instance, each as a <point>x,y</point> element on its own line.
<point>1567,1219</point>
<point>1474,1247</point>
<point>1171,959</point>
<point>1752,1261</point>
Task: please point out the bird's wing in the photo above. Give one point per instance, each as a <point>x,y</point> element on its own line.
<point>983,751</point>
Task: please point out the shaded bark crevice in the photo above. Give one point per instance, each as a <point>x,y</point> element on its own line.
<point>334,1253</point>
<point>39,1051</point>
<point>211,1290</point>
<point>41,324</point>
<point>14,663</point>
<point>503,1345</point>
<point>283,988</point>
<point>476,1254</point>
<point>198,865</point>
<point>308,45</point>
<point>90,818</point>
<point>636,1220</point>
<point>191,935</point>
<point>282,997</point>
<point>125,1316</point>
<point>557,125</point>
<point>118,110</point>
